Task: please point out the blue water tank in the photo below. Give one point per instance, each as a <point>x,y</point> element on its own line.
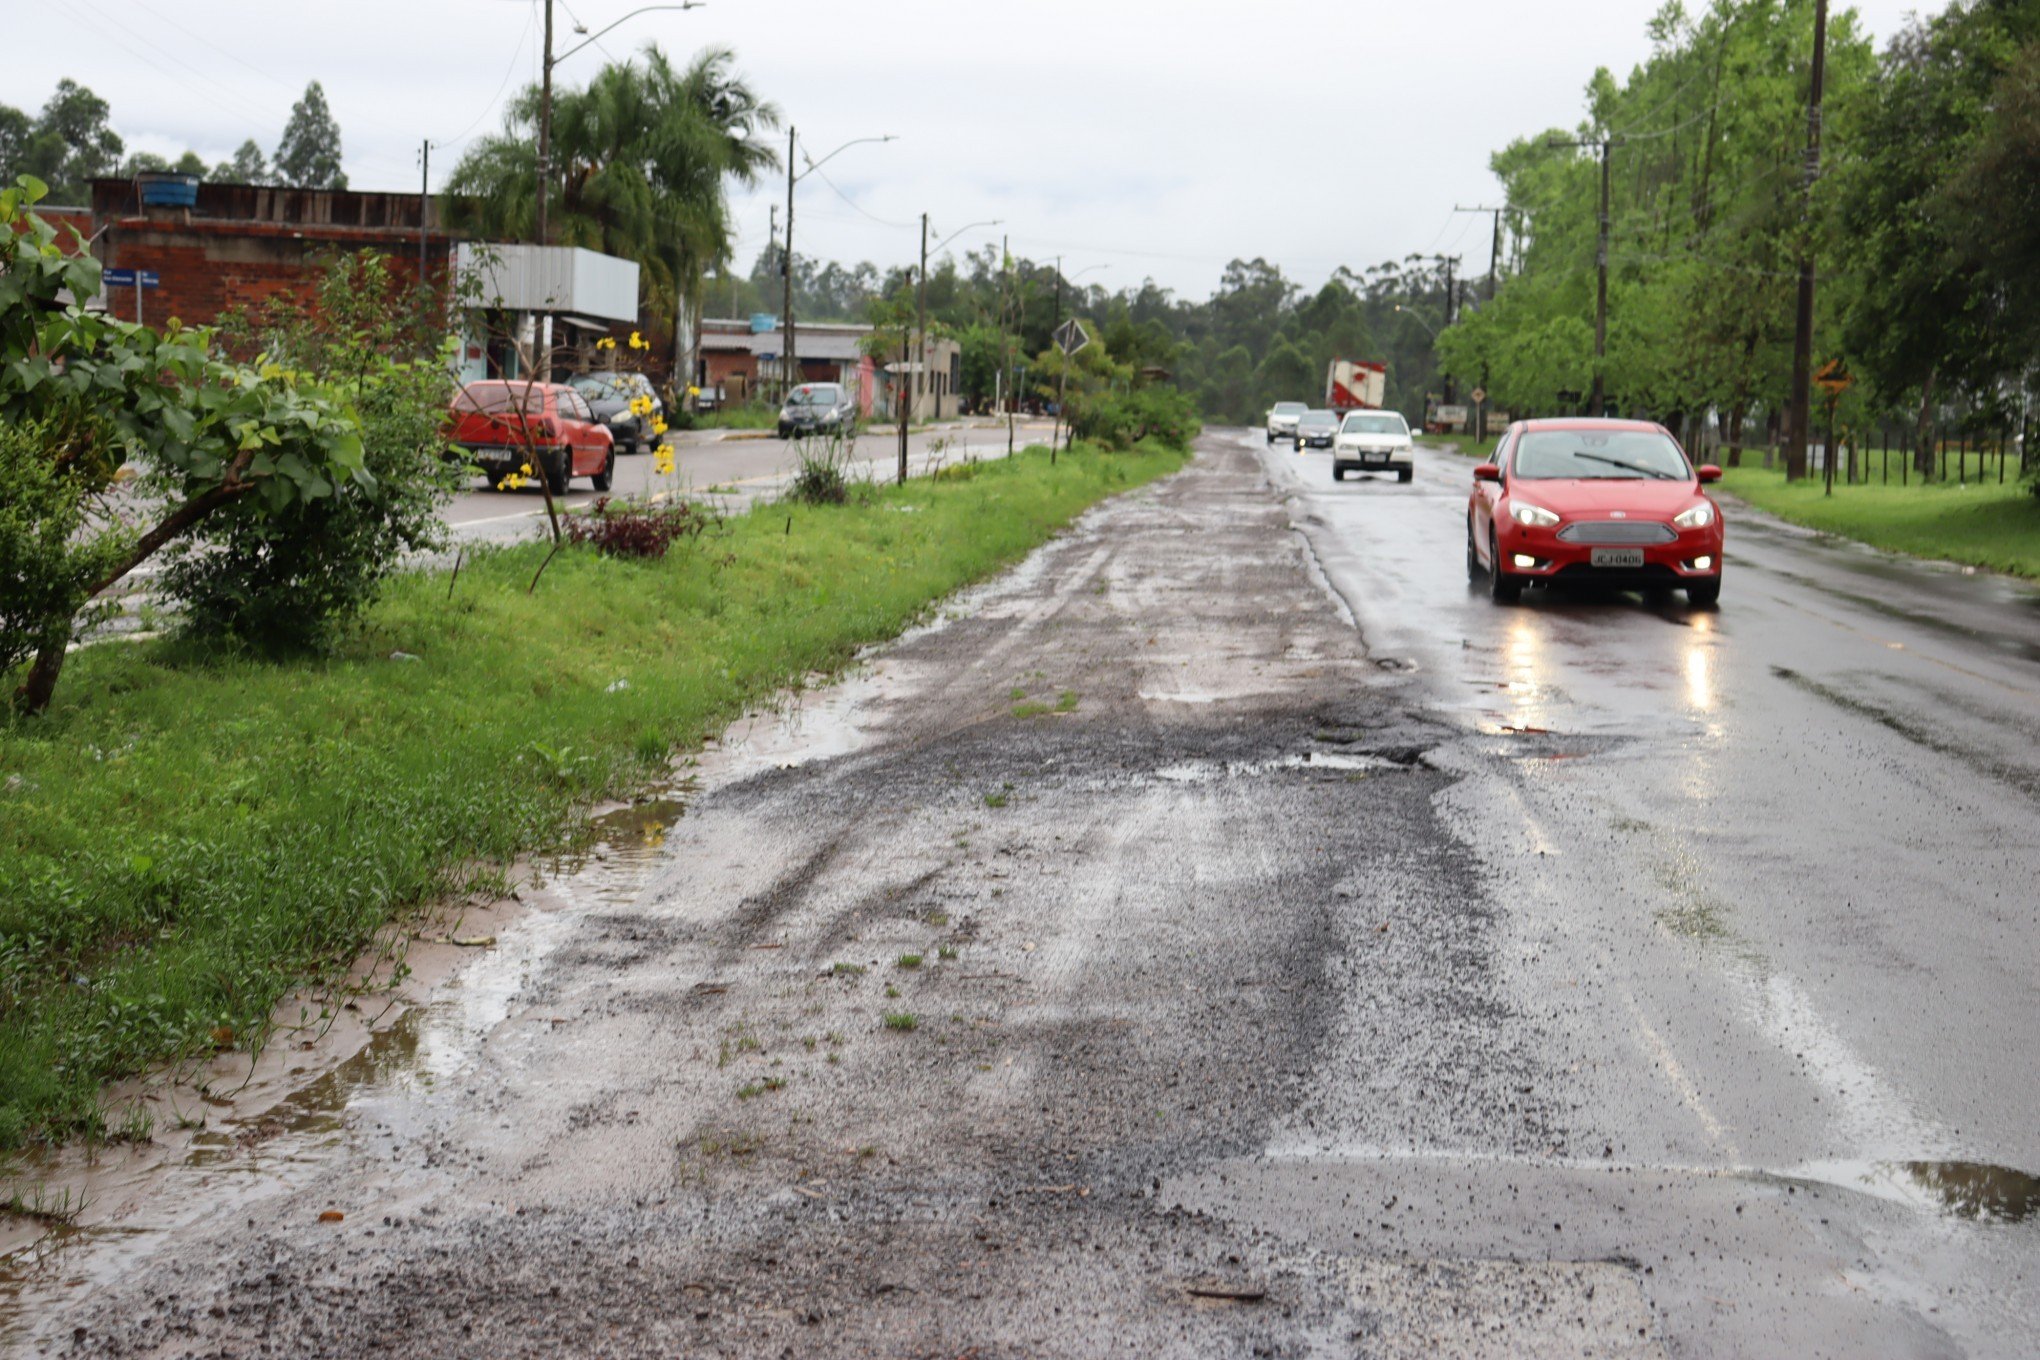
<point>762,322</point>
<point>165,189</point>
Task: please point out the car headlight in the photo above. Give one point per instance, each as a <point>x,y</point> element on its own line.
<point>1698,517</point>
<point>1535,515</point>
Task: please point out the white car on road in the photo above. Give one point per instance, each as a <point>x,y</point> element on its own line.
<point>1373,441</point>
<point>1282,418</point>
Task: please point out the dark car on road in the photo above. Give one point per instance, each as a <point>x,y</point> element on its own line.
<point>1316,430</point>
<point>817,408</point>
<point>610,396</point>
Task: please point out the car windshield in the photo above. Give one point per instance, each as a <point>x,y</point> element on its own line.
<point>1319,420</point>
<point>1374,422</point>
<point>826,394</point>
<point>1549,455</point>
<point>603,385</point>
<point>1290,408</point>
<point>492,398</point>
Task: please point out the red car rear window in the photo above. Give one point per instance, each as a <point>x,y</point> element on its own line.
<point>491,398</point>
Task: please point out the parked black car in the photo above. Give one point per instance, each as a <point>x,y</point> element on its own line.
<point>609,395</point>
<point>817,408</point>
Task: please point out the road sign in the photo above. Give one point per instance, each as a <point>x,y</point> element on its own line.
<point>1479,395</point>
<point>1070,336</point>
<point>1833,378</point>
<point>128,278</point>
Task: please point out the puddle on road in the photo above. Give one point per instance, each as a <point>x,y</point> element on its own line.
<point>1209,771</point>
<point>1977,1191</point>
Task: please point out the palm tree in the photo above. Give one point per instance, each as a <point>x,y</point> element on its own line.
<point>643,157</point>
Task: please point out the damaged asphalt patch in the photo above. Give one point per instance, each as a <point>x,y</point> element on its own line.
<point>1130,874</point>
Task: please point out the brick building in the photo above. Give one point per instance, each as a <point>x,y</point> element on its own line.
<point>240,244</point>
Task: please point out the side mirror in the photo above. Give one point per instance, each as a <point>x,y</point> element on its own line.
<point>1707,472</point>
<point>1486,472</point>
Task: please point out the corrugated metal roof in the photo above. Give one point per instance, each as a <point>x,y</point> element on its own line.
<point>824,346</point>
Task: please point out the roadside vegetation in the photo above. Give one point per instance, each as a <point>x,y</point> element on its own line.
<point>187,833</point>
<point>1982,524</point>
<point>1929,271</point>
<point>750,415</point>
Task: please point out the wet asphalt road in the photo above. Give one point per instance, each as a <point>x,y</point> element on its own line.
<point>1312,959</point>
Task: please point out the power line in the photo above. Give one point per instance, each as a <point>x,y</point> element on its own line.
<point>508,73</point>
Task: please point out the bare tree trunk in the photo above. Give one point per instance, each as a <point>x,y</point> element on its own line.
<point>35,692</point>
<point>40,686</point>
<point>1923,447</point>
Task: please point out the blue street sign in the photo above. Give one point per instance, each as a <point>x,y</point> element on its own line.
<point>125,278</point>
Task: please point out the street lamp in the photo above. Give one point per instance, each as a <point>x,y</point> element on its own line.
<point>786,360</point>
<point>921,303</point>
<point>1418,319</point>
<point>545,96</point>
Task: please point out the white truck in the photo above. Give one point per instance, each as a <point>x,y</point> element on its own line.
<point>1355,385</point>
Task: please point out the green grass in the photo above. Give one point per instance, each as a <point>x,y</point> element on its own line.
<point>184,839</point>
<point>749,416</point>
<point>1985,525</point>
<point>1464,444</point>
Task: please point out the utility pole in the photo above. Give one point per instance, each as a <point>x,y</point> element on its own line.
<point>1606,146</point>
<point>1601,293</point>
<point>1063,376</point>
<point>1010,397</point>
<point>545,124</point>
<point>786,359</point>
<point>1797,411</point>
<point>1451,263</point>
<point>424,201</point>
<point>921,320</point>
<point>906,407</point>
<point>1493,278</point>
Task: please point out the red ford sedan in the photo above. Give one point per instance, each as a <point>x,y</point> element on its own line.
<point>1607,501</point>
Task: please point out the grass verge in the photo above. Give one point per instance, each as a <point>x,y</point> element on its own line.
<point>745,417</point>
<point>1464,444</point>
<point>183,839</point>
<point>1983,525</point>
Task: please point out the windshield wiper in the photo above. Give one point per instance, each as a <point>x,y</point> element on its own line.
<point>1623,463</point>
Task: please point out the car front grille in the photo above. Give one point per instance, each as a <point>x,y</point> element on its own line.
<point>1612,532</point>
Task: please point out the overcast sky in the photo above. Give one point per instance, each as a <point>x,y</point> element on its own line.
<point>1135,138</point>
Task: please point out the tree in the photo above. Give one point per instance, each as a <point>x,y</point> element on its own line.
<point>103,393</point>
<point>308,156</point>
<point>642,159</point>
<point>249,166</point>
<point>16,128</point>
<point>67,145</point>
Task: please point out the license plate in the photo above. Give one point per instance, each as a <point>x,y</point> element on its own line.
<point>1617,557</point>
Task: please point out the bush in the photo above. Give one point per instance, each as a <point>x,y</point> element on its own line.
<point>636,528</point>
<point>279,582</point>
<point>822,478</point>
<point>1120,420</point>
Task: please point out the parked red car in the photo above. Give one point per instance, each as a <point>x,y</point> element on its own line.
<point>1613,502</point>
<point>491,419</point>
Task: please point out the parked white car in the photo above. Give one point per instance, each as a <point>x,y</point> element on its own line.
<point>1373,441</point>
<point>1282,418</point>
